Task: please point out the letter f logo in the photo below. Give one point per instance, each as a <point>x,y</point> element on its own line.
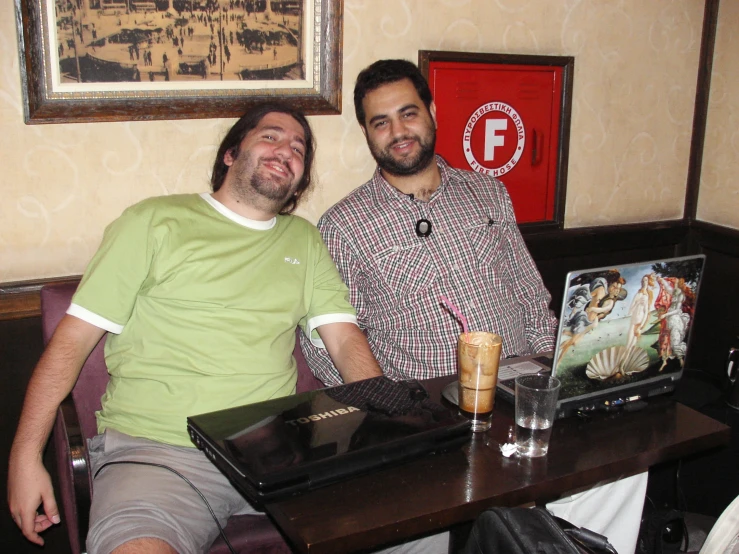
<point>491,139</point>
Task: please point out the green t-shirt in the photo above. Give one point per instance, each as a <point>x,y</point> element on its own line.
<point>202,306</point>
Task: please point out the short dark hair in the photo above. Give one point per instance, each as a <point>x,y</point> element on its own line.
<point>249,121</point>
<point>384,72</point>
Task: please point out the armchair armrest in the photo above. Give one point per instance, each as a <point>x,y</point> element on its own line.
<point>73,471</point>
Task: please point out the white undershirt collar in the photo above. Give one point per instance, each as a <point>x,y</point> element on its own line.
<point>236,218</point>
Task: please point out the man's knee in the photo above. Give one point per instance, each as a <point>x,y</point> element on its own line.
<point>129,528</point>
<point>145,501</point>
<point>145,546</point>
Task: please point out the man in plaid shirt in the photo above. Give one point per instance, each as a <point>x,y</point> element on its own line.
<point>419,230</point>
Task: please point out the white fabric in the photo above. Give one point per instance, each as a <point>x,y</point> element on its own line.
<point>240,219</point>
<point>93,319</point>
<point>724,536</point>
<point>315,322</point>
<point>612,509</point>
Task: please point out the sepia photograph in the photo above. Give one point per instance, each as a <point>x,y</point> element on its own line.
<point>115,60</point>
<point>105,41</point>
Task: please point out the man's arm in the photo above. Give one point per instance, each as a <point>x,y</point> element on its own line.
<point>528,287</point>
<point>29,484</point>
<point>319,362</point>
<point>349,350</point>
<point>319,359</point>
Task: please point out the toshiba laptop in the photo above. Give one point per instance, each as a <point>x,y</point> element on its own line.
<point>623,335</point>
<point>280,447</point>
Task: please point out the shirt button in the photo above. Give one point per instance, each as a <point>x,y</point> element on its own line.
<point>455,267</point>
<point>471,305</point>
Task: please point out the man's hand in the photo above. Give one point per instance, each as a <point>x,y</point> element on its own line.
<point>349,350</point>
<point>29,486</point>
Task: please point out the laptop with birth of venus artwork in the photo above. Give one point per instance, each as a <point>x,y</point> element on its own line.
<point>623,335</point>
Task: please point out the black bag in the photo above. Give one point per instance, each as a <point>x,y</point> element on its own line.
<point>530,531</point>
<point>662,530</point>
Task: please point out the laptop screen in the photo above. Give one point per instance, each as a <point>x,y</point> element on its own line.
<point>624,330</point>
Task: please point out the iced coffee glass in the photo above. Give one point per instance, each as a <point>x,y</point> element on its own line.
<point>478,356</point>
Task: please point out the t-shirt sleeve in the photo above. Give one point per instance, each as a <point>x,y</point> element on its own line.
<point>108,290</point>
<point>341,253</point>
<point>329,295</point>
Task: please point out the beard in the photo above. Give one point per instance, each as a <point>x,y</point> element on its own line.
<point>410,165</point>
<point>251,183</point>
<point>270,187</point>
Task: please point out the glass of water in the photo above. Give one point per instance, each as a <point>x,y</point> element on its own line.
<point>536,406</point>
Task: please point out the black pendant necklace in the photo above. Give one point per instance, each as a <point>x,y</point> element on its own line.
<point>423,227</point>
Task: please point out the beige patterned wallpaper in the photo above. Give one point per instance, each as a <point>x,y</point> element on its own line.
<point>636,65</point>
<point>718,201</point>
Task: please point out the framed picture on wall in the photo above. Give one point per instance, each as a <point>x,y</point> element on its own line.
<point>507,115</point>
<point>118,60</point>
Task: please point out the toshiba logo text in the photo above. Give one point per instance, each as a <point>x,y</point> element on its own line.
<point>324,415</point>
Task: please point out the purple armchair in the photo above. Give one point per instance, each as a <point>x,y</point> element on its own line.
<point>75,423</point>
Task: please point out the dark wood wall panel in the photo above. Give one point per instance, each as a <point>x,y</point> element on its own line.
<point>557,253</point>
<point>717,314</point>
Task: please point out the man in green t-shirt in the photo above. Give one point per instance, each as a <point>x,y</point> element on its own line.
<point>200,295</point>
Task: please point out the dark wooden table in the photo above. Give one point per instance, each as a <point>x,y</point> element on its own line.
<point>435,492</point>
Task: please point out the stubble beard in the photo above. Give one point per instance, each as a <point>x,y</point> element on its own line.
<point>266,192</point>
<point>411,165</point>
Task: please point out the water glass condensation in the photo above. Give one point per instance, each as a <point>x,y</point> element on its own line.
<point>536,406</point>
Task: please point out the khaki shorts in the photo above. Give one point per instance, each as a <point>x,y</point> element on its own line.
<point>137,501</point>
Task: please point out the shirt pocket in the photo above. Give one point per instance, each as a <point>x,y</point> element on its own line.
<point>406,268</point>
<point>488,244</point>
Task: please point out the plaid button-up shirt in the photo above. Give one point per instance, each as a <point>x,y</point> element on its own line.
<point>475,256</point>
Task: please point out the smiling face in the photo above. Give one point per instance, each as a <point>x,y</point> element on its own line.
<point>267,168</point>
<point>400,131</point>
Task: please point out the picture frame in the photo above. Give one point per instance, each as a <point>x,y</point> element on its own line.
<point>507,115</point>
<point>130,60</point>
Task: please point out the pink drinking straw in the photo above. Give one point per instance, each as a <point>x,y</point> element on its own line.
<point>457,312</point>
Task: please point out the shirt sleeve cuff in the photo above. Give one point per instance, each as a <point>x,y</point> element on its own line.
<point>94,319</point>
<point>317,321</point>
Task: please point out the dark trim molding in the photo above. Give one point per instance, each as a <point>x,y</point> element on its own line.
<point>700,113</point>
<point>22,299</point>
<point>615,238</point>
<point>717,238</point>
